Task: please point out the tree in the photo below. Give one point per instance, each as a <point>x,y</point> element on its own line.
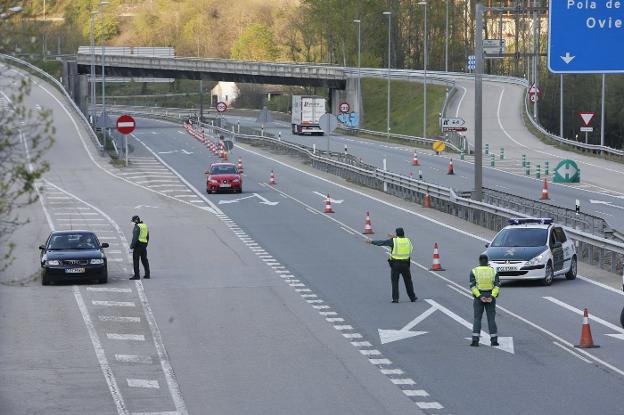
<point>24,138</point>
<point>256,43</point>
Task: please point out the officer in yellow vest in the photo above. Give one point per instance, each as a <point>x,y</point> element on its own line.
<point>140,239</point>
<point>399,263</point>
<point>485,286</point>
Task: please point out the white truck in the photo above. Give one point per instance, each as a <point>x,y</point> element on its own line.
<point>306,113</point>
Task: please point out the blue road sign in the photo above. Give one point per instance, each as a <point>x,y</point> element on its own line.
<point>471,62</point>
<point>586,36</point>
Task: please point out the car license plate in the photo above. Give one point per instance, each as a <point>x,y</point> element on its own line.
<point>503,269</point>
<point>74,271</point>
<point>225,185</point>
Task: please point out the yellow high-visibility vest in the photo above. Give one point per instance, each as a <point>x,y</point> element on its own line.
<point>142,232</point>
<point>401,248</point>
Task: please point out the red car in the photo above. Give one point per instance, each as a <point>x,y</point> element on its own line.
<point>223,176</point>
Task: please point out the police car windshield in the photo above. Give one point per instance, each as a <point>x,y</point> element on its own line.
<point>520,237</point>
<point>223,170</point>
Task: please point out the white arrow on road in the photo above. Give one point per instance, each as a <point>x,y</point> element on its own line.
<point>263,200</point>
<point>387,336</point>
<point>610,326</point>
<point>604,202</point>
<point>567,58</point>
<point>331,200</point>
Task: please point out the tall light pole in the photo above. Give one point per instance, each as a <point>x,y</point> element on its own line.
<point>424,3</point>
<point>359,63</point>
<point>389,14</point>
<point>104,116</point>
<point>446,30</point>
<point>92,43</point>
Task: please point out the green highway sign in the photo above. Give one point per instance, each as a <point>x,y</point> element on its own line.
<point>567,171</point>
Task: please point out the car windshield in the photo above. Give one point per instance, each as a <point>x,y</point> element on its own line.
<point>225,169</point>
<point>520,237</point>
<point>73,241</point>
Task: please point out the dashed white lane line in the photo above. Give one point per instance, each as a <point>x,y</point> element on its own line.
<point>343,327</point>
<point>126,337</point>
<point>120,319</point>
<point>429,405</point>
<point>379,361</point>
<point>388,371</point>
<point>418,392</point>
<point>133,358</point>
<point>107,303</point>
<point>352,335</point>
<point>109,289</point>
<point>101,356</point>
<point>143,383</point>
<point>404,381</point>
<point>157,413</point>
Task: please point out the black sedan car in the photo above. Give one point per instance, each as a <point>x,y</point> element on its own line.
<point>71,256</point>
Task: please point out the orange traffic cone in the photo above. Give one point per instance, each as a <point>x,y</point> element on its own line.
<point>450,167</point>
<point>545,190</point>
<point>586,337</point>
<point>368,227</point>
<point>272,179</point>
<point>415,161</point>
<point>427,203</point>
<point>435,266</point>
<point>328,207</point>
<point>240,165</point>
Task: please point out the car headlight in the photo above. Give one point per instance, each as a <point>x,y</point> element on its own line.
<point>53,262</point>
<point>213,181</point>
<point>236,181</point>
<point>537,260</point>
<point>97,261</point>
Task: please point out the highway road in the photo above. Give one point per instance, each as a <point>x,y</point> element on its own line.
<point>264,304</point>
<point>507,176</point>
<point>326,254</point>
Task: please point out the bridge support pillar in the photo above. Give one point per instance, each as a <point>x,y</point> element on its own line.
<point>77,86</point>
<point>350,95</point>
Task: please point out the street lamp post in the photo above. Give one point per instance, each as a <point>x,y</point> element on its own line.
<point>446,38</point>
<point>359,63</point>
<point>389,14</point>
<point>424,3</point>
<point>92,43</point>
<point>104,116</point>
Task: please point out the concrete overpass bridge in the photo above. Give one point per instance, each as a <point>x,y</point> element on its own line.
<point>341,82</point>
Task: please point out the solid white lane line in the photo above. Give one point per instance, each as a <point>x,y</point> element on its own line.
<point>120,319</point>
<point>578,311</point>
<point>561,346</point>
<point>174,388</point>
<point>133,358</point>
<point>143,383</point>
<point>113,303</point>
<point>109,289</point>
<point>128,337</point>
<point>100,355</point>
<point>346,230</point>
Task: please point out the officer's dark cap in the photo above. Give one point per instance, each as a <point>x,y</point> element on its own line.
<point>135,218</point>
<point>483,259</point>
<point>400,233</point>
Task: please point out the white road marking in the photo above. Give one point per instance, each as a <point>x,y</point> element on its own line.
<point>157,413</point>
<point>460,101</point>
<point>380,361</point>
<point>326,313</point>
<point>343,327</point>
<point>405,381</point>
<point>372,352</point>
<point>415,392</point>
<point>101,356</point>
<point>609,325</point>
<point>126,337</point>
<point>109,289</point>
<point>388,371</point>
<point>429,405</point>
<point>347,230</point>
<point>113,303</point>
<point>352,335</point>
<point>561,346</point>
<point>133,358</point>
<point>119,319</point>
<point>143,383</point>
<point>334,319</point>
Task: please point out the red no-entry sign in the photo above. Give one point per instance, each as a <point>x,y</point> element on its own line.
<point>125,124</point>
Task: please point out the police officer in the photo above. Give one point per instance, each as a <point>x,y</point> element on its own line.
<point>140,239</point>
<point>485,286</point>
<point>399,263</point>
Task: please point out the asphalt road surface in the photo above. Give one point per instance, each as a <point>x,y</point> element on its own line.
<point>260,303</point>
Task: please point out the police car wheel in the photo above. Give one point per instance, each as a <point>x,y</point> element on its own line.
<point>571,274</point>
<point>549,275</point>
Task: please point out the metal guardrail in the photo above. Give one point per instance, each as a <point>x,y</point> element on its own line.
<point>572,143</point>
<point>591,248</point>
<point>46,76</point>
<point>409,138</point>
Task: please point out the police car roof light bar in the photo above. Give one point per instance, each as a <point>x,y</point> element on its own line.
<point>524,221</point>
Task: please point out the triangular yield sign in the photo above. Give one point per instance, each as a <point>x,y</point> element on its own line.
<point>587,117</point>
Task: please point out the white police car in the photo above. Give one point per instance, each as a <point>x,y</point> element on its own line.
<point>532,249</point>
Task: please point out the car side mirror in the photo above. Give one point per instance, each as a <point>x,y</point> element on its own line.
<point>487,245</point>
<point>104,245</point>
<point>42,247</point>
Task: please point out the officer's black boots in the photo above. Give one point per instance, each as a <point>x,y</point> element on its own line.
<point>494,341</point>
<point>475,342</point>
